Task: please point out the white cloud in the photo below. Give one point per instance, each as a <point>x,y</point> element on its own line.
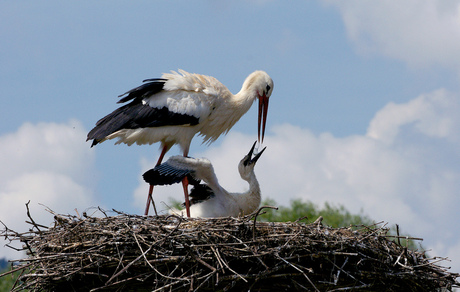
<point>421,113</point>
<point>45,163</point>
<point>34,147</point>
<point>405,170</point>
<point>419,32</point>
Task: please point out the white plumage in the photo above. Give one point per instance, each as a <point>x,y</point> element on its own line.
<point>210,199</point>
<point>175,107</point>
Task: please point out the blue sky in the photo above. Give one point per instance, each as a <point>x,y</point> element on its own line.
<point>363,113</point>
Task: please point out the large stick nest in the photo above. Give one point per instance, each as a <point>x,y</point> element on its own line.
<point>171,253</point>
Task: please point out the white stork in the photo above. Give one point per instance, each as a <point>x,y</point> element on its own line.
<point>210,199</point>
<point>175,107</point>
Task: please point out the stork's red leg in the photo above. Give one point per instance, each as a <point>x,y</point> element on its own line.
<point>185,186</point>
<point>187,202</point>
<point>149,197</point>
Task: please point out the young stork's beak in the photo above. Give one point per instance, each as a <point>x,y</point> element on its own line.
<point>248,159</point>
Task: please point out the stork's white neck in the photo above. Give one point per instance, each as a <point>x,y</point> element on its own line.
<point>248,92</point>
<point>249,200</point>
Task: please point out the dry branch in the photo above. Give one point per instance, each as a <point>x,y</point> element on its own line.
<point>171,253</point>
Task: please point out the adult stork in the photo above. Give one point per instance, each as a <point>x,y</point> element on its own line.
<point>210,199</point>
<point>175,107</point>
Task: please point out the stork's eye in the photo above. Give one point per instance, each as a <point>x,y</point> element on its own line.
<point>268,88</point>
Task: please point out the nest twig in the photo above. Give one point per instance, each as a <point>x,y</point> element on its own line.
<point>172,253</point>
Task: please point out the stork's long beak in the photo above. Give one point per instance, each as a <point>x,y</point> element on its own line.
<point>263,109</point>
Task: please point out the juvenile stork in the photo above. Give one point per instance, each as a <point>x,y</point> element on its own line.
<point>210,199</point>
<point>175,107</point>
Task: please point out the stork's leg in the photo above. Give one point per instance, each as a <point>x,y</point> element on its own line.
<point>187,202</point>
<point>185,186</point>
<point>150,198</point>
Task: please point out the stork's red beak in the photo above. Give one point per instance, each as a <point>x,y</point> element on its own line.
<point>263,109</point>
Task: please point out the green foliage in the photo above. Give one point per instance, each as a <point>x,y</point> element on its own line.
<point>332,216</point>
<point>175,204</point>
<point>7,282</point>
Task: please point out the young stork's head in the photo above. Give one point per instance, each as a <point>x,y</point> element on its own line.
<point>246,166</point>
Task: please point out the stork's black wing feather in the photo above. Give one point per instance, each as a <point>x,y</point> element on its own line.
<point>200,193</point>
<point>166,174</point>
<point>137,115</point>
<point>154,85</point>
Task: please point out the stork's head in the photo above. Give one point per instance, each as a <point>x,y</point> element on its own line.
<point>247,164</point>
<point>260,85</point>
